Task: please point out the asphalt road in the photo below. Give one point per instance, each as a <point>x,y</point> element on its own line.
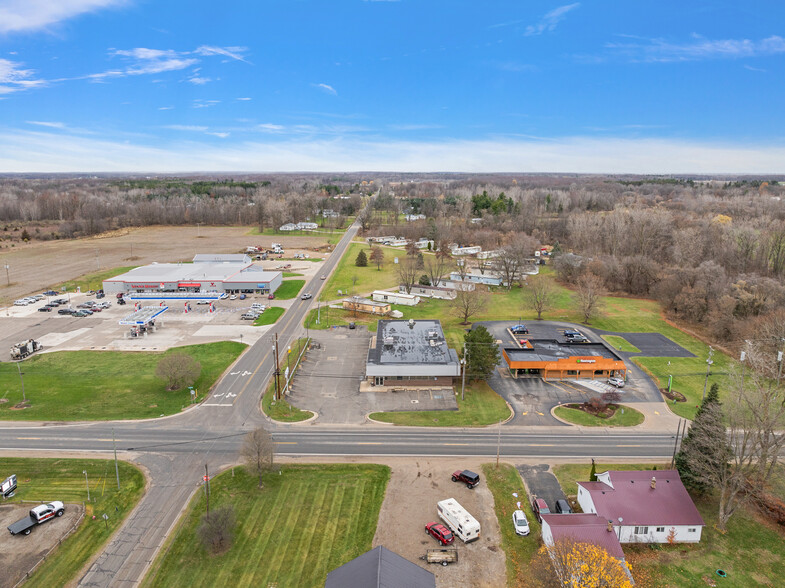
<point>174,450</point>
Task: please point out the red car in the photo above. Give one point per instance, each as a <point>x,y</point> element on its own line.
<point>440,533</point>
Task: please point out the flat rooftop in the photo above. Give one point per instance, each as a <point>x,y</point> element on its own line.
<point>551,350</point>
<point>192,272</point>
<point>409,347</point>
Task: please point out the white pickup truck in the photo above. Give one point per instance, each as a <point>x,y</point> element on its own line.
<point>37,515</point>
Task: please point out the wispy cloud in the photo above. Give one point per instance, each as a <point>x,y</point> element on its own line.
<point>200,103</point>
<point>30,15</point>
<point>218,134</point>
<point>166,108</point>
<point>13,77</point>
<point>186,127</point>
<point>327,88</point>
<point>414,127</point>
<point>270,128</point>
<point>758,69</point>
<point>230,52</point>
<point>43,123</point>
<point>244,99</point>
<point>550,20</point>
<point>199,80</point>
<point>55,152</point>
<point>660,50</point>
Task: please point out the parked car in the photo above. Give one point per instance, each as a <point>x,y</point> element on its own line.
<point>306,296</point>
<point>540,507</point>
<point>249,316</point>
<point>100,295</point>
<point>242,296</point>
<point>520,330</point>
<point>60,300</point>
<point>84,312</point>
<point>96,308</point>
<point>616,381</point>
<point>233,297</point>
<point>467,477</point>
<point>21,302</point>
<point>121,301</point>
<point>519,523</point>
<point>271,295</point>
<point>439,532</point>
<point>323,278</point>
<point>66,311</point>
<point>352,326</point>
<point>50,293</point>
<point>563,507</point>
<point>202,302</point>
<point>45,309</point>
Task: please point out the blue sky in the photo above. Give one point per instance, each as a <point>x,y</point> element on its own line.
<point>410,85</point>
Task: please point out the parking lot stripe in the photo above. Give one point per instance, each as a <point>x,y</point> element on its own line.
<point>216,404</point>
<point>29,438</point>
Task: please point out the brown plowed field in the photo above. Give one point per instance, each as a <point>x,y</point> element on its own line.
<point>39,265</point>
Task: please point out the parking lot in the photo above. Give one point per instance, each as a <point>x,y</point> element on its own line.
<point>532,398</point>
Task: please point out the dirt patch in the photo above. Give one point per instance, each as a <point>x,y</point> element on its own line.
<point>19,553</point>
<point>67,259</point>
<point>603,413</point>
<point>410,503</point>
<point>673,395</point>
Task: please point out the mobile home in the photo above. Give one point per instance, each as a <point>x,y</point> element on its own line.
<point>459,520</point>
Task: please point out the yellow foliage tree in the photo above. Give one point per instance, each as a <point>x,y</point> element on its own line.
<point>572,564</point>
<point>722,219</point>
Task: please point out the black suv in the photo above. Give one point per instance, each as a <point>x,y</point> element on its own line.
<point>563,507</point>
<point>469,478</point>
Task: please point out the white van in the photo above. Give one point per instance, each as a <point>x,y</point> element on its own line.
<point>459,520</point>
<point>258,306</point>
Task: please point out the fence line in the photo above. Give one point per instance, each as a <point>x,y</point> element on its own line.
<point>59,542</point>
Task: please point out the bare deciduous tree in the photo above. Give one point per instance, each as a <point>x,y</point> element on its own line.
<point>377,256</point>
<point>438,266</point>
<point>178,369</point>
<point>407,273</point>
<point>588,292</point>
<point>216,529</point>
<point>467,302</point>
<point>258,452</point>
<point>539,294</point>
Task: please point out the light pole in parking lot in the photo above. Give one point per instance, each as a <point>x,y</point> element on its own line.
<point>7,277</point>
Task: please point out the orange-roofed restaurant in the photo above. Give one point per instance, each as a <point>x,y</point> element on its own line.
<point>551,360</point>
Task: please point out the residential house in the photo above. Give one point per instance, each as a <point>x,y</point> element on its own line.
<point>380,568</point>
<point>395,298</point>
<point>357,304</point>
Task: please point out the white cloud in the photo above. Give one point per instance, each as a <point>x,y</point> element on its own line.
<point>200,103</point>
<point>659,50</point>
<point>550,20</point>
<point>244,99</point>
<point>14,78</point>
<point>270,128</point>
<point>166,108</point>
<point>30,15</point>
<point>200,81</point>
<point>49,152</point>
<point>42,123</point>
<point>186,127</point>
<point>326,88</point>
<point>216,134</point>
<point>231,52</point>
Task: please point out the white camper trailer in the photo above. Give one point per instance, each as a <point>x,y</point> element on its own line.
<point>459,520</point>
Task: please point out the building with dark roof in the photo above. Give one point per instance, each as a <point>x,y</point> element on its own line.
<point>411,353</point>
<point>581,528</point>
<point>551,359</point>
<point>380,568</point>
<point>649,506</point>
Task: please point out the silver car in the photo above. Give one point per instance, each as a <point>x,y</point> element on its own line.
<point>616,381</point>
<point>520,523</point>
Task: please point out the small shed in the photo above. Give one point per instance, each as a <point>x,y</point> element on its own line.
<point>380,568</point>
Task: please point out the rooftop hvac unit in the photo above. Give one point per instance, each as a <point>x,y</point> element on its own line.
<point>432,334</point>
<point>411,323</point>
<point>434,343</point>
<point>389,341</point>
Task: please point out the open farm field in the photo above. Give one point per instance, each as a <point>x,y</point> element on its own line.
<point>39,265</point>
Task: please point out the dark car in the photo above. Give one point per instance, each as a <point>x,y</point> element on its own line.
<point>540,507</point>
<point>467,477</point>
<point>60,301</point>
<point>50,293</point>
<point>563,507</point>
<point>99,294</point>
<point>440,533</point>
<point>352,326</point>
<point>121,301</point>
<point>65,311</point>
<point>520,330</point>
<point>45,309</point>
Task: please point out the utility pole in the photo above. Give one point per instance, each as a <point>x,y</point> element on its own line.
<point>87,483</point>
<point>116,468</point>
<point>676,442</point>
<point>709,362</point>
<point>498,444</point>
<point>19,369</point>
<point>207,489</point>
<point>465,366</point>
<point>277,370</point>
<point>7,278</point>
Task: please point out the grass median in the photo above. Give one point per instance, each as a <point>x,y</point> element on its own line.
<point>481,406</point>
<point>64,480</point>
<point>624,416</point>
<point>289,289</point>
<point>269,316</point>
<point>105,385</point>
<point>281,410</point>
<point>621,344</point>
<point>301,525</point>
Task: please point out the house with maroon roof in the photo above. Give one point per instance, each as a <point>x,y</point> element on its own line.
<point>581,528</point>
<point>643,506</point>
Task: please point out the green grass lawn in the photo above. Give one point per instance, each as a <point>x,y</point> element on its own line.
<point>482,406</point>
<point>62,479</point>
<point>368,278</point>
<point>291,275</point>
<point>752,552</point>
<point>502,482</point>
<point>629,418</point>
<point>269,316</point>
<point>281,410</point>
<point>621,343</point>
<point>105,385</point>
<point>303,524</point>
<point>289,289</point>
<point>93,281</point>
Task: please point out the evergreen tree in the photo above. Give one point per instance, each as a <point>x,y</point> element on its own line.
<point>593,474</point>
<point>483,353</point>
<point>705,442</point>
<point>362,259</point>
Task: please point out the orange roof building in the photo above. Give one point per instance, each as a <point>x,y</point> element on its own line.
<point>551,360</point>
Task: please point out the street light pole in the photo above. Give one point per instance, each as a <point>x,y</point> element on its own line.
<point>116,468</point>
<point>709,363</point>
<point>86,484</point>
<point>19,369</point>
<point>465,366</point>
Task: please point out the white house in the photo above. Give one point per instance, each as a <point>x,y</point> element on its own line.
<point>644,506</point>
<point>489,279</point>
<point>470,250</point>
<point>288,227</point>
<point>430,292</point>
<point>395,298</point>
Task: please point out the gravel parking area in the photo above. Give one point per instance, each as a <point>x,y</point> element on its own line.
<point>19,553</point>
<point>415,487</point>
